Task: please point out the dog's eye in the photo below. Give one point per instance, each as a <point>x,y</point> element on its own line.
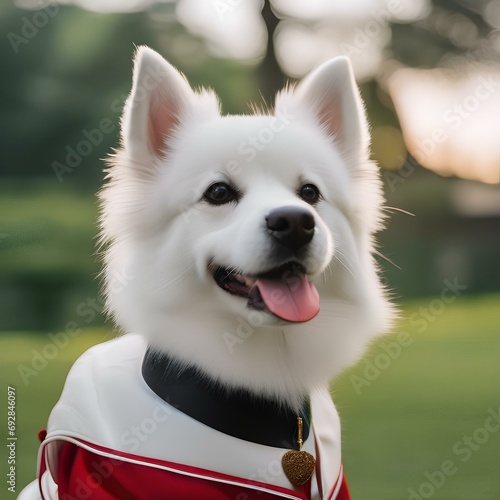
<point>220,193</point>
<point>309,193</point>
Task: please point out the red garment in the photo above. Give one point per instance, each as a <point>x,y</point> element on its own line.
<point>83,474</point>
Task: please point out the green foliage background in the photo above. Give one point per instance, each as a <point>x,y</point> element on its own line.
<point>73,74</point>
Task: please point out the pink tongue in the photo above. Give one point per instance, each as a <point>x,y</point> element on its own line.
<point>294,300</point>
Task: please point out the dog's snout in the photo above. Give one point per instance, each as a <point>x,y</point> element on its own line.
<point>293,227</point>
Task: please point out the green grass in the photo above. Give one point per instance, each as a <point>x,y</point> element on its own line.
<point>36,391</point>
<point>406,421</point>
<point>402,423</point>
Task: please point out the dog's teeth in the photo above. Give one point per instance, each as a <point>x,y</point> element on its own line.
<point>244,280</point>
<point>255,299</point>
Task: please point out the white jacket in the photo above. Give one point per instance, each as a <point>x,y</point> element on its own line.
<point>106,402</point>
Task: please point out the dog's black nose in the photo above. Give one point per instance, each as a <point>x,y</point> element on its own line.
<point>293,227</point>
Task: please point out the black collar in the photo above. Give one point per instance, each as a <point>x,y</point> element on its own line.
<point>238,413</point>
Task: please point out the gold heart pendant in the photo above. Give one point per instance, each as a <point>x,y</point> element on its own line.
<point>298,466</point>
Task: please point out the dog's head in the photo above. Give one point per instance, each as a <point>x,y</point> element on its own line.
<point>243,244</point>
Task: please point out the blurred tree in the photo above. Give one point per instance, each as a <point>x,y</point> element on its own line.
<point>61,83</point>
<point>271,77</point>
<point>454,32</point>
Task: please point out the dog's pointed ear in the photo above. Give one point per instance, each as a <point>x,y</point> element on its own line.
<point>161,98</point>
<point>331,95</point>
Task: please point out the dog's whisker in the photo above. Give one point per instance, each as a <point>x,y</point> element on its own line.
<point>329,269</point>
<point>339,257</point>
<point>396,209</point>
<point>172,281</point>
<point>382,256</point>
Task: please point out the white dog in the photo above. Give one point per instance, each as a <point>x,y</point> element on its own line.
<point>239,252</point>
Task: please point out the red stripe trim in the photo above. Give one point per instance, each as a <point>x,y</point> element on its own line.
<point>42,467</point>
<point>340,491</point>
<point>176,468</point>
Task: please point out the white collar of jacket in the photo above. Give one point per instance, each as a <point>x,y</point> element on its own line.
<point>107,402</point>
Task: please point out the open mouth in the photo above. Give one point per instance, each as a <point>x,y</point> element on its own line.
<point>285,291</point>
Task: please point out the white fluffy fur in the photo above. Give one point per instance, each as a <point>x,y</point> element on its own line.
<point>160,235</point>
